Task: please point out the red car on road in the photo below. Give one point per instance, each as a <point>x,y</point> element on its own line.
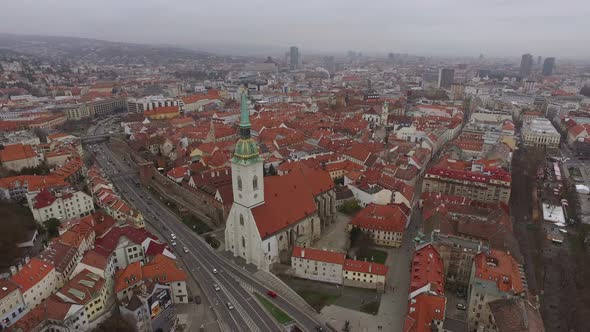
<point>271,293</point>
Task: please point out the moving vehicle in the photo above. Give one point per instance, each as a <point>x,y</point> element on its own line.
<point>230,306</point>
<point>214,271</point>
<point>173,243</point>
<point>185,249</point>
<point>197,299</point>
<point>216,287</point>
<point>172,236</point>
<point>271,293</point>
<point>461,306</point>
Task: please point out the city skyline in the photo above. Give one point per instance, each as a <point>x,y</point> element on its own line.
<point>497,28</point>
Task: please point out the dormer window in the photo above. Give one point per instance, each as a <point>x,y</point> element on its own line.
<point>239,183</point>
<point>255,182</point>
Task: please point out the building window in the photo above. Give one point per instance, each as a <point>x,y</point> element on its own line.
<point>243,242</point>
<point>241,220</point>
<point>239,183</point>
<point>255,182</point>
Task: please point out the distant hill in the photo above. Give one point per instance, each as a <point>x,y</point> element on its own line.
<point>99,51</point>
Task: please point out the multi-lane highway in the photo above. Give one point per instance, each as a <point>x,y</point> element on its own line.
<point>206,265</point>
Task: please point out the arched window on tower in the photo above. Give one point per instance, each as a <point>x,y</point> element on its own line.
<point>255,182</point>
<point>241,220</point>
<point>243,242</point>
<point>239,183</point>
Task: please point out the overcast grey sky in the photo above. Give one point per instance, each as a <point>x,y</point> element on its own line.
<point>447,27</point>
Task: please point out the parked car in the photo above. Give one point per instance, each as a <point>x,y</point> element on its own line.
<point>216,287</point>
<point>185,249</point>
<point>270,293</point>
<point>173,243</point>
<point>197,299</point>
<point>214,271</point>
<point>173,236</point>
<point>230,306</point>
<point>461,306</point>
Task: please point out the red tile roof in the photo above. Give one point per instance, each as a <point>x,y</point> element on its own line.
<point>34,182</point>
<point>85,282</point>
<point>389,218</point>
<point>319,255</point>
<point>365,267</point>
<point>43,199</point>
<point>129,276</point>
<point>6,288</point>
<point>427,268</point>
<point>162,110</point>
<point>94,259</point>
<point>163,269</point>
<point>422,310</point>
<point>501,268</point>
<point>17,152</point>
<point>288,200</point>
<point>110,240</point>
<point>32,273</point>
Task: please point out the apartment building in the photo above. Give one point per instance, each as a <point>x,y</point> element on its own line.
<point>540,133</point>
<point>385,224</point>
<point>161,270</point>
<point>139,105</point>
<point>364,274</point>
<point>124,244</point>
<point>100,107</point>
<point>88,290</point>
<point>12,304</point>
<point>60,204</point>
<point>17,187</point>
<point>15,157</point>
<point>320,265</point>
<point>37,280</point>
<point>488,183</point>
<point>495,276</point>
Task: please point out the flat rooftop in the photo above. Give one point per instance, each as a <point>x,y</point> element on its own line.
<point>553,213</point>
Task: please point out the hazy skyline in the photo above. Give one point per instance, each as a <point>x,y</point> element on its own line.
<point>437,27</point>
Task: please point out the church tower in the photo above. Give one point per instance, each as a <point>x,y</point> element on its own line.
<point>384,113</point>
<point>246,165</point>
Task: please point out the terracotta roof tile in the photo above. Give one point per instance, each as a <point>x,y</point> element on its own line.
<point>319,255</point>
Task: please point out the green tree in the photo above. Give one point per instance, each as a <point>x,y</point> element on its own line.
<point>52,227</point>
<point>361,241</point>
<point>15,223</point>
<point>585,91</point>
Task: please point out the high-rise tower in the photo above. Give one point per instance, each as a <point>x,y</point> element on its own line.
<point>526,65</point>
<point>294,58</point>
<point>548,66</point>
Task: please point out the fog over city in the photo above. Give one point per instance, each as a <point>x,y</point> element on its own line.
<point>432,27</point>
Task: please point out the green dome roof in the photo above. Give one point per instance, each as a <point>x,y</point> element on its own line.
<point>246,149</point>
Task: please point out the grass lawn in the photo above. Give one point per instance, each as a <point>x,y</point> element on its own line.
<point>277,313</point>
<point>371,308</point>
<point>196,225</point>
<point>375,255</point>
<point>317,300</point>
